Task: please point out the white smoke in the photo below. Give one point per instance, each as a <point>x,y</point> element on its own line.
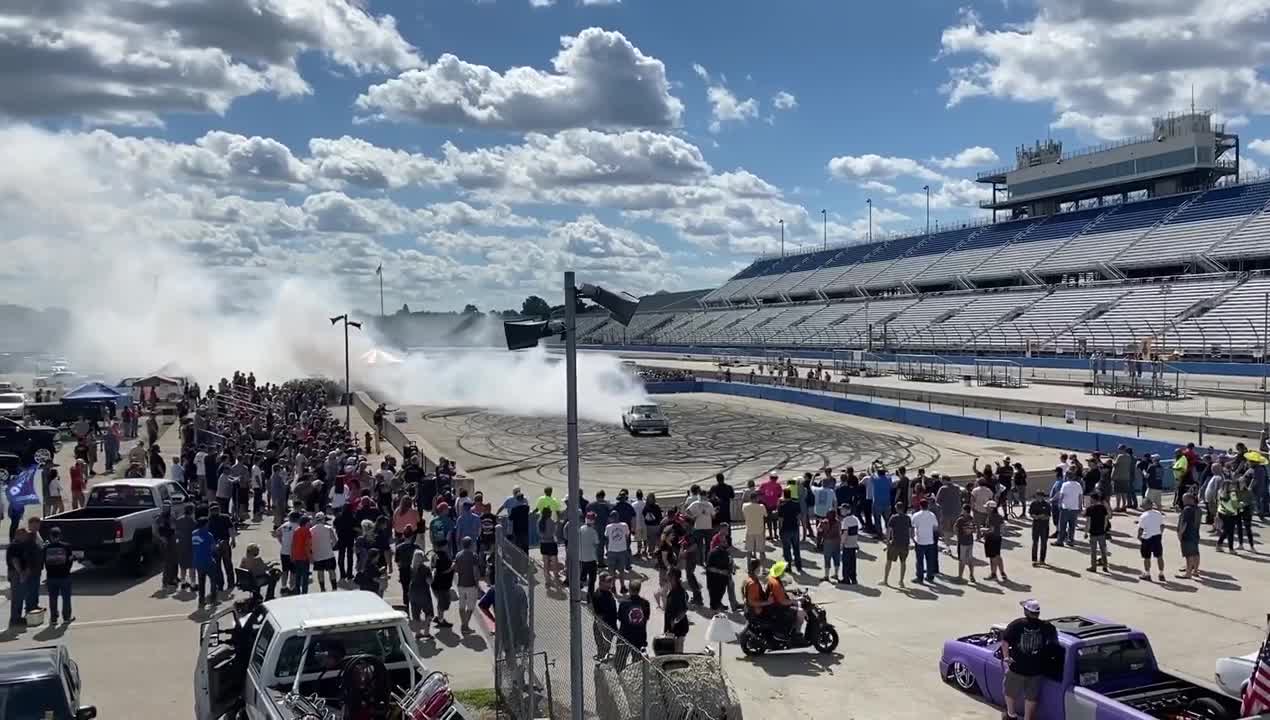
<point>152,283</point>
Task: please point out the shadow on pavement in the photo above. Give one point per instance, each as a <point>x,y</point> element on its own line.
<point>797,663</point>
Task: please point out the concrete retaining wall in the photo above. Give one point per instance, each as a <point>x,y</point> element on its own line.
<point>1062,438</point>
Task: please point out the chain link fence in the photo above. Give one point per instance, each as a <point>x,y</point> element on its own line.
<point>620,682</point>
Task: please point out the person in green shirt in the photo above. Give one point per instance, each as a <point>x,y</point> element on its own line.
<point>547,503</point>
<point>1228,515</point>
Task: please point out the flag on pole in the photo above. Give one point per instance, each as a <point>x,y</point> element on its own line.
<point>379,270</point>
<point>22,489</point>
<point>1256,695</point>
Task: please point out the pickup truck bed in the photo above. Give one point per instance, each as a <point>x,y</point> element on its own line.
<point>1171,698</point>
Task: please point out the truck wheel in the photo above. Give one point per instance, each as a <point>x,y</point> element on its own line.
<point>1207,708</point>
<point>43,456</point>
<point>4,476</point>
<point>962,677</point>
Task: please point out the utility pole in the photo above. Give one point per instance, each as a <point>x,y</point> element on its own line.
<point>380,272</point>
<point>824,218</point>
<point>575,493</point>
<point>348,392</point>
<point>782,222</point>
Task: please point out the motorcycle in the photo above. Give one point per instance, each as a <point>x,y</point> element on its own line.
<point>758,637</point>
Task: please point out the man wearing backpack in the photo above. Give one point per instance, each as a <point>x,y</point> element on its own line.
<point>57,565</point>
<point>441,529</point>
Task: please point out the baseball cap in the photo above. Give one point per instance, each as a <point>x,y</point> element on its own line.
<point>1031,606</point>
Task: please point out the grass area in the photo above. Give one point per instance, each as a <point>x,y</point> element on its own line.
<point>477,698</point>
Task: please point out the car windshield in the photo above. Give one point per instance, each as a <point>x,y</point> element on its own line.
<point>651,410</point>
<point>1106,661</point>
<point>43,699</point>
<point>122,496</point>
<point>329,649</point>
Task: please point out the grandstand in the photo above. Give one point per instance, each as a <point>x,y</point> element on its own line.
<point>1144,246</point>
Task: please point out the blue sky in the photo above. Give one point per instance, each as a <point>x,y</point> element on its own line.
<point>261,138</point>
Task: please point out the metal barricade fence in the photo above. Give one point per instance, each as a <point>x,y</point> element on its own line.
<point>531,650</point>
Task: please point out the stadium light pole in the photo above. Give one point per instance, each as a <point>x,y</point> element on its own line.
<point>824,219</point>
<point>782,224</point>
<point>348,393</point>
<point>1265,329</point>
<point>927,189</point>
<point>522,335</point>
<point>869,202</point>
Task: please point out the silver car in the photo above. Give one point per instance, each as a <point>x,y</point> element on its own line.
<point>645,419</point>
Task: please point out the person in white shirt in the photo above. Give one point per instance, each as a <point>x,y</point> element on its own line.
<point>1069,500</point>
<point>54,492</point>
<point>701,511</point>
<point>639,530</point>
<point>755,515</point>
<point>285,533</point>
<point>925,538</point>
<point>323,550</point>
<point>850,535</point>
<point>1151,539</point>
<point>618,550</point>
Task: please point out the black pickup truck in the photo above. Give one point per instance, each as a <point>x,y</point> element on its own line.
<point>118,522</point>
<point>41,682</point>
<point>22,444</point>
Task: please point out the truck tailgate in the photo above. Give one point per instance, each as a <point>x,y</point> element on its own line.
<point>82,534</point>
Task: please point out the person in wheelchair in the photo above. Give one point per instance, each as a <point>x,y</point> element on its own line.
<point>261,574</point>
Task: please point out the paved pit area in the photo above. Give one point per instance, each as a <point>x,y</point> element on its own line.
<point>741,437</point>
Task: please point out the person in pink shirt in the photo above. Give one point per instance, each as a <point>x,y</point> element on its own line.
<point>770,493</point>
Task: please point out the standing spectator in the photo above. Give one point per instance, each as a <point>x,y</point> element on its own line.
<point>286,534</point>
<point>182,533</point>
<point>345,527</point>
<point>278,487</point>
<point>1154,480</point>
<point>224,530</point>
<point>604,605</point>
<point>53,493</point>
<point>1070,494</point>
<point>638,530</point>
<point>899,531</point>
<point>587,550</point>
<point>1097,527</point>
<point>948,498</point>
<point>676,621</point>
<point>468,571</point>
<point>302,555</point>
<point>18,565</point>
<point>718,574</point>
<point>1188,535</point>
<point>165,527</point>
<point>1150,538</point>
<point>992,543</point>
<point>701,513</point>
<point>789,512</point>
<point>926,542</point>
<point>203,552</point>
<point>1026,646</point>
<point>405,553</point>
<point>324,541</point>
<point>1227,515</point>
<point>152,429</point>
<point>828,530</point>
<point>652,525</point>
<point>58,560</point>
<point>601,509</point>
<point>110,446</point>
<point>721,495</point>
<point>79,484</point>
<point>442,583</point>
<point>1039,512</point>
<point>34,548</point>
<point>420,601</point>
<point>849,531</point>
<point>632,621</point>
<point>617,538</point>
<point>755,516</point>
<point>964,531</point>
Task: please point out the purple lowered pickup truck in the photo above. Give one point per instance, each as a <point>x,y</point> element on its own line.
<point>1108,673</point>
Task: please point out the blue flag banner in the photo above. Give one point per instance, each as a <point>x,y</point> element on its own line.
<point>21,489</point>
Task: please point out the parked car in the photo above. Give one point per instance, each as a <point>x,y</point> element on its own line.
<point>41,682</point>
<point>117,524</point>
<point>1108,671</point>
<point>645,418</point>
<point>12,405</point>
<point>28,442</point>
<point>303,650</point>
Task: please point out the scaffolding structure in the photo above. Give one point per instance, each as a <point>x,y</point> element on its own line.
<point>1133,378</point>
<point>991,372</point>
<point>858,363</point>
<point>924,368</point>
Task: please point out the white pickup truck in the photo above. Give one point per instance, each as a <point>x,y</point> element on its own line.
<point>344,655</point>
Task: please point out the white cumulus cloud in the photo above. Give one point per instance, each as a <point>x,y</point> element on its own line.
<point>970,157</point>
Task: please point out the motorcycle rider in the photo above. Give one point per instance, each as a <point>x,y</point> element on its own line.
<point>754,590</point>
<point>783,612</point>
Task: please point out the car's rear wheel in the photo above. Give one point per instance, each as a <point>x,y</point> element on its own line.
<point>962,677</point>
<point>43,456</point>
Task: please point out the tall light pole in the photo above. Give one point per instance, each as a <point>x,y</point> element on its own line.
<point>782,223</point>
<point>348,393</point>
<point>824,219</point>
<point>869,202</point>
<point>927,189</point>
<point>1265,328</point>
<point>380,272</point>
<point>522,335</point>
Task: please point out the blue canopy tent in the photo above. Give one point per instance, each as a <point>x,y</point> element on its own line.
<point>96,392</point>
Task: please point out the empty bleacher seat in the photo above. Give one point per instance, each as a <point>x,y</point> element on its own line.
<point>1199,226</point>
<point>1024,252</point>
<point>1113,233</point>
